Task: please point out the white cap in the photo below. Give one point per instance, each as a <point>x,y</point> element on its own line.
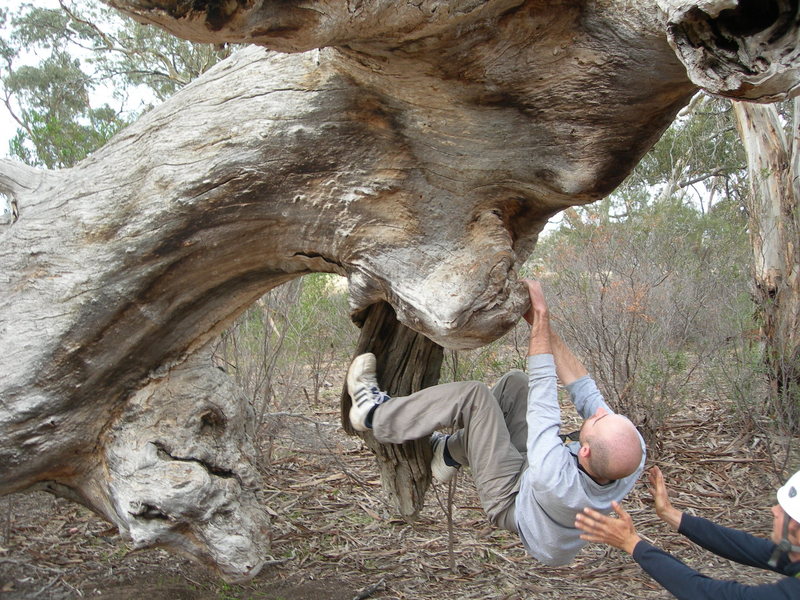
<point>789,497</point>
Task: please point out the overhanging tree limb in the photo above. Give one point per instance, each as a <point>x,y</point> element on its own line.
<point>417,150</point>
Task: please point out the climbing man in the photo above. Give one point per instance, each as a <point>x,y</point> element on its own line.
<point>529,481</point>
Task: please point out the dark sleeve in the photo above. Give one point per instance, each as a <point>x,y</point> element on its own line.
<point>687,584</point>
<point>728,543</point>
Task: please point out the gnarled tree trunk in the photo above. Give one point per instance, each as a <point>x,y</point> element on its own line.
<point>407,362</point>
<point>416,148</point>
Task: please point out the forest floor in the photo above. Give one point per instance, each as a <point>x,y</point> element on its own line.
<point>335,537</point>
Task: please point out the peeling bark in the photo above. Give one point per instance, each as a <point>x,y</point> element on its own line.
<point>744,49</point>
<point>774,223</point>
<point>407,362</point>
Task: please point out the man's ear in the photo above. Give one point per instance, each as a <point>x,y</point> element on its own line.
<point>794,529</point>
<point>584,452</point>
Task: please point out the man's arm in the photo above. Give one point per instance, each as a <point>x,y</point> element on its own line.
<point>680,580</point>
<point>538,316</point>
<point>570,370</point>
<point>548,458</point>
<point>732,544</point>
<point>568,367</point>
<point>685,583</point>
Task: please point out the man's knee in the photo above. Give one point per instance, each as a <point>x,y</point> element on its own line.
<point>512,387</point>
<point>517,379</point>
<point>477,391</point>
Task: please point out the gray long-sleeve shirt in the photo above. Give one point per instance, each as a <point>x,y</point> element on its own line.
<point>553,489</point>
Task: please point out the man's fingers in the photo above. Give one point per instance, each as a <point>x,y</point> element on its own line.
<point>592,522</point>
<point>586,522</point>
<point>536,294</point>
<point>591,513</point>
<point>656,477</point>
<point>657,486</point>
<point>623,514</point>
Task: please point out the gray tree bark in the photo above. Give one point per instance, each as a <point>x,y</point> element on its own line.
<point>407,362</point>
<point>416,148</point>
<point>773,165</point>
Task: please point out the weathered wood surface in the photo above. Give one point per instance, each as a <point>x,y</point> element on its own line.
<point>415,148</point>
<point>407,362</point>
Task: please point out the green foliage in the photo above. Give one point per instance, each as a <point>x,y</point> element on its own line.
<point>660,384</point>
<point>485,364</point>
<point>59,142</point>
<point>490,362</point>
<point>699,158</point>
<point>321,333</point>
<point>149,56</point>
<point>737,374</point>
<point>85,50</point>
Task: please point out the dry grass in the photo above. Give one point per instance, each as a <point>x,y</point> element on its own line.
<point>335,536</point>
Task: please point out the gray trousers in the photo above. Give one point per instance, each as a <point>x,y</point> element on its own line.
<point>491,433</point>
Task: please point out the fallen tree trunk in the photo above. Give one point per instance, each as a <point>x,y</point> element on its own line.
<point>416,148</point>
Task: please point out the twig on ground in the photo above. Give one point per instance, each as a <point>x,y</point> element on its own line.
<point>369,590</point>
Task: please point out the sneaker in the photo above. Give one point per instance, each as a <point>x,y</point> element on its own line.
<point>362,385</point>
<point>442,472</point>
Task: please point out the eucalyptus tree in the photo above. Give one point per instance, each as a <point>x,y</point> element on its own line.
<point>772,143</point>
<point>417,149</point>
<point>76,73</point>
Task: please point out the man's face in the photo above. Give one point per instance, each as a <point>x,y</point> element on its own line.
<point>778,517</point>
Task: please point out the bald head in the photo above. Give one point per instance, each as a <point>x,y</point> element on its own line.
<point>612,446</point>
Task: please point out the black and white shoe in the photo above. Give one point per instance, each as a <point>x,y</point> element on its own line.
<point>362,385</point>
<point>441,471</point>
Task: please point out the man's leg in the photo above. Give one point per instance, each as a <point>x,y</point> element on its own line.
<point>511,394</point>
<point>485,443</point>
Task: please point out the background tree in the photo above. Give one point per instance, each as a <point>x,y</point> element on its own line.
<point>96,72</point>
<point>698,160</point>
<point>773,205</point>
<point>651,283</point>
<point>292,338</point>
<point>648,298</point>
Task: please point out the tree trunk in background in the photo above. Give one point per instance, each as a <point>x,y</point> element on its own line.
<point>407,362</point>
<point>775,234</point>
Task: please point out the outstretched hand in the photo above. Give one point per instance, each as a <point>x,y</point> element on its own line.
<point>601,528</point>
<point>664,509</point>
<point>538,303</point>
<point>538,317</point>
